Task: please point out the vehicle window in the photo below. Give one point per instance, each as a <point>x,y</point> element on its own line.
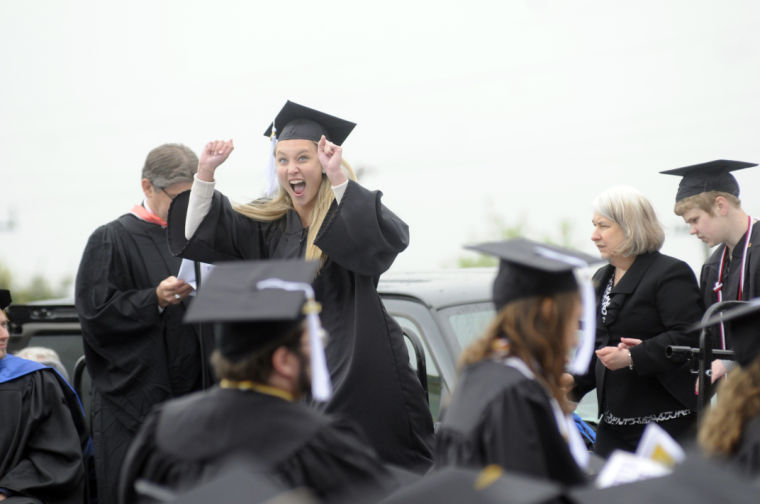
<point>468,322</point>
<point>433,374</point>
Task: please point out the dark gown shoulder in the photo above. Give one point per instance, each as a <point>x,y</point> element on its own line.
<point>747,455</point>
<point>499,416</point>
<point>43,439</point>
<point>297,445</point>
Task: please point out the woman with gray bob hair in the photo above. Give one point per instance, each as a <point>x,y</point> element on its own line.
<point>632,211</point>
<point>645,302</point>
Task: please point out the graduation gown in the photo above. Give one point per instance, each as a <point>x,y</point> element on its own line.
<point>137,356</point>
<point>189,440</point>
<point>373,383</point>
<point>747,454</point>
<point>732,274</point>
<point>497,415</point>
<point>44,443</point>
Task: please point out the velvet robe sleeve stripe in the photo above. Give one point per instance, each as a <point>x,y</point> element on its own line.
<point>361,234</point>
<point>41,441</point>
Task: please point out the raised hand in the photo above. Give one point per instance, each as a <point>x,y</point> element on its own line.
<point>330,157</point>
<point>212,155</point>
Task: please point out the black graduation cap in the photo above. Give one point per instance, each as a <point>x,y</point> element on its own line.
<point>251,316</point>
<point>710,176</point>
<point>696,480</point>
<point>296,121</point>
<point>243,485</point>
<point>255,303</point>
<point>742,324</point>
<point>529,269</point>
<point>490,485</point>
<point>5,299</point>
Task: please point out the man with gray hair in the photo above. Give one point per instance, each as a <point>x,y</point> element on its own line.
<point>131,305</point>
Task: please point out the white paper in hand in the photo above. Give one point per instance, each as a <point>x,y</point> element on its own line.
<point>625,467</point>
<point>187,273</point>
<point>656,444</point>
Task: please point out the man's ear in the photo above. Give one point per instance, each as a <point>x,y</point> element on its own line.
<point>147,187</point>
<point>721,206</point>
<point>284,362</point>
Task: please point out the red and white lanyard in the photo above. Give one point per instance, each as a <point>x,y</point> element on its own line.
<point>718,288</point>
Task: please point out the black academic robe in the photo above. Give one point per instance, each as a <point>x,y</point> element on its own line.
<point>373,383</point>
<point>190,440</point>
<point>497,415</point>
<point>656,301</point>
<point>747,454</point>
<point>136,355</point>
<point>44,443</point>
<point>731,275</point>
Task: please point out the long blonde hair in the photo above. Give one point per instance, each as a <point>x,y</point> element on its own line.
<point>272,209</point>
<point>738,402</point>
<point>533,329</point>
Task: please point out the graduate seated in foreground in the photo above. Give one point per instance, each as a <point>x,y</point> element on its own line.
<point>731,428</point>
<point>44,441</point>
<point>509,407</point>
<point>268,356</point>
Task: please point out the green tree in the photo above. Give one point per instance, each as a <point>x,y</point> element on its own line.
<point>503,231</point>
<point>37,289</point>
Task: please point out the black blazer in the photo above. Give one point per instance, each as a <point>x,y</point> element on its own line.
<point>656,301</point>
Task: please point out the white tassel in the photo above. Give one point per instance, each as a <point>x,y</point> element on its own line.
<point>585,349</point>
<point>321,386</point>
<point>273,185</point>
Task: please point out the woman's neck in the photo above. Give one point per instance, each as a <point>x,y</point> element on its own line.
<point>304,213</point>
<point>621,265</point>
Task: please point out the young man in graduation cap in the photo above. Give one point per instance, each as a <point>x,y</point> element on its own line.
<point>708,201</point>
<point>269,355</point>
<point>130,306</point>
<point>44,443</point>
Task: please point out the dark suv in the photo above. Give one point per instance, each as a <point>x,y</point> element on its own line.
<point>440,312</point>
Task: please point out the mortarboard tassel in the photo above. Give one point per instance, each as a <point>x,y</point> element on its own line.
<point>321,387</point>
<point>585,350</point>
<point>272,184</point>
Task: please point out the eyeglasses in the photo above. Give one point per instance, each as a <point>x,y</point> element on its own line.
<point>171,197</point>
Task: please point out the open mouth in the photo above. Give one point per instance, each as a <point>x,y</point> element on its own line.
<point>298,186</point>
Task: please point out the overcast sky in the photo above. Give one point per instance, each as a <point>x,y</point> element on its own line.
<point>520,109</point>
